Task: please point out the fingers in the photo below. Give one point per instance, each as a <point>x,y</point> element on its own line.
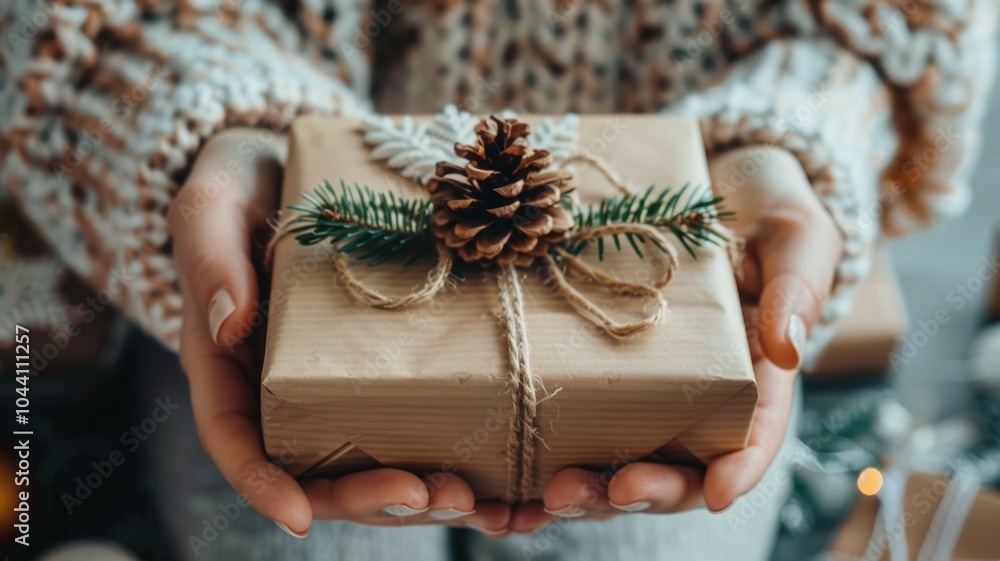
<point>491,518</point>
<point>389,495</point>
<point>656,488</point>
<point>571,493</point>
<point>212,250</point>
<point>751,319</point>
<point>453,503</point>
<point>225,412</point>
<point>735,474</point>
<point>799,248</point>
<point>528,518</point>
<point>212,220</point>
<point>392,497</point>
<point>637,487</point>
<point>451,497</point>
<point>793,244</point>
<point>748,278</point>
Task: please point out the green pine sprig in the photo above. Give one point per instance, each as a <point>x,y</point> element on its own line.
<point>375,226</point>
<point>693,220</point>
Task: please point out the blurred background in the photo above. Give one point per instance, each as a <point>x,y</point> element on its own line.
<point>915,372</point>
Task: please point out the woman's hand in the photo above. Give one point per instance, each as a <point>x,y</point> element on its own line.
<point>793,247</point>
<point>232,188</point>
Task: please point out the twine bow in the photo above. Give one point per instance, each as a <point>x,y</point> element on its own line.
<point>524,390</point>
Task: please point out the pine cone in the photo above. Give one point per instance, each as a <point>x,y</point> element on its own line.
<point>501,207</point>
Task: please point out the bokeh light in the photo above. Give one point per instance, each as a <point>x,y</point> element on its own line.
<point>869,481</point>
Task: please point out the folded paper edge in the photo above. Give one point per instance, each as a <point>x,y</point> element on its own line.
<point>346,449</point>
<point>679,438</point>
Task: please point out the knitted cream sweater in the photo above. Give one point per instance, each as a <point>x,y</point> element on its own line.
<point>105,103</point>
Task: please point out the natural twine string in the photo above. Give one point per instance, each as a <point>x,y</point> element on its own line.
<point>592,311</point>
<point>522,437</point>
<point>281,223</point>
<point>437,278</point>
<point>602,166</point>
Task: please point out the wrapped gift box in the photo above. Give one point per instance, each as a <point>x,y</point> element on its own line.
<point>348,387</point>
<point>924,494</point>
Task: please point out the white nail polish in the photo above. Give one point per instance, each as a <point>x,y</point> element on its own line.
<point>401,510</point>
<point>449,513</point>
<point>290,532</point>
<point>797,335</point>
<point>221,307</point>
<point>571,511</point>
<point>638,506</point>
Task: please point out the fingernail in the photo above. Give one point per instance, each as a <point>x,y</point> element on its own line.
<point>634,507</point>
<point>486,531</point>
<point>723,509</point>
<point>797,335</point>
<point>449,513</point>
<point>290,532</point>
<point>401,510</point>
<point>571,511</point>
<point>221,307</point>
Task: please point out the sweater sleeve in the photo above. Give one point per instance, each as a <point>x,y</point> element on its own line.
<point>105,105</point>
<point>937,57</point>
<point>882,110</point>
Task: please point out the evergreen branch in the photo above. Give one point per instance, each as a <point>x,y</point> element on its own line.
<point>376,226</point>
<point>692,220</point>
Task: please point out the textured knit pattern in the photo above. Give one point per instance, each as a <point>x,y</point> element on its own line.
<point>105,103</point>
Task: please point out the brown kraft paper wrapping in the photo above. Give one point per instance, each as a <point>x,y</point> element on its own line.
<point>347,387</point>
<point>978,540</point>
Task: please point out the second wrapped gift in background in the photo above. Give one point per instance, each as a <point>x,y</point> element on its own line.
<point>460,382</point>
